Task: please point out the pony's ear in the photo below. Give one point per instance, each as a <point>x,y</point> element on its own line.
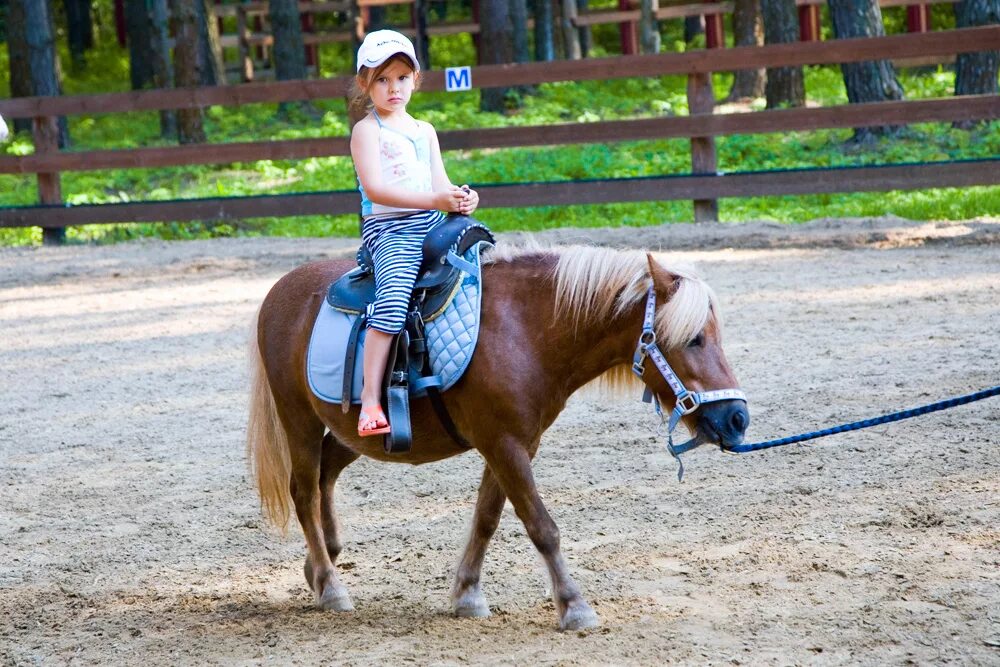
<point>664,282</point>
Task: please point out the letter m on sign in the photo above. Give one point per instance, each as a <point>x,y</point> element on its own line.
<point>457,78</point>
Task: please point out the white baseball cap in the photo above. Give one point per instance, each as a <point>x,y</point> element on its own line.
<point>381,45</point>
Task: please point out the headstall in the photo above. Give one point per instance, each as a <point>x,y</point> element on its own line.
<point>687,401</point>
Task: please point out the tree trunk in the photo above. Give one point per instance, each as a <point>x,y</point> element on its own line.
<point>544,39</point>
<point>213,69</point>
<point>494,48</point>
<point>79,31</point>
<point>289,51</point>
<point>586,36</point>
<point>519,31</point>
<point>785,85</point>
<point>158,17</point>
<point>649,27</point>
<point>376,19</point>
<point>571,36</point>
<point>140,44</point>
<point>20,65</point>
<point>748,30</point>
<point>976,73</point>
<point>421,43</point>
<point>870,81</point>
<point>693,26</point>
<point>34,63</point>
<point>190,128</point>
<point>31,41</point>
<point>149,53</point>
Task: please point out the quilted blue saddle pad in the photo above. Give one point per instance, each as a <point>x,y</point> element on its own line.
<point>451,340</point>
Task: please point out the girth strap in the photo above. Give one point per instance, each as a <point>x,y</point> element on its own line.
<point>429,381</point>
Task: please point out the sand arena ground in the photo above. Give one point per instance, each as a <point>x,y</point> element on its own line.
<point>130,533</point>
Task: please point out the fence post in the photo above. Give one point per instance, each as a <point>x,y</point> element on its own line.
<point>701,100</point>
<point>629,38</point>
<point>918,18</point>
<point>809,29</point>
<point>715,36</point>
<point>46,134</point>
<point>306,22</point>
<point>120,33</point>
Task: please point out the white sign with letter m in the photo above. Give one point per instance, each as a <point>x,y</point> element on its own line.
<point>457,78</point>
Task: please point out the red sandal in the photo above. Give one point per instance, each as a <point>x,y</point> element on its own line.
<point>372,422</point>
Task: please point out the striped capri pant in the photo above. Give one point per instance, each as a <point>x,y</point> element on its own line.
<point>396,245</point>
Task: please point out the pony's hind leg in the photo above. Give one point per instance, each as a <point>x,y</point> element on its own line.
<point>467,596</point>
<point>511,464</point>
<point>335,457</point>
<point>306,458</point>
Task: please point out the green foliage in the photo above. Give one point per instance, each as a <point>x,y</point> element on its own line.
<point>579,102</point>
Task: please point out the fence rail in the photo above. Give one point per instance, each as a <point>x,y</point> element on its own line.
<point>549,193</point>
<point>962,108</point>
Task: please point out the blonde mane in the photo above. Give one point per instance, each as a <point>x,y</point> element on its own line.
<point>594,285</point>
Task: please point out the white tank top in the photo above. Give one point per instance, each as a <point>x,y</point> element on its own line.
<point>405,162</point>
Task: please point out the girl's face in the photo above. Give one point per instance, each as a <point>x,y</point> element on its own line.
<point>390,91</point>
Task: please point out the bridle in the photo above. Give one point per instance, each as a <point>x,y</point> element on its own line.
<point>687,401</point>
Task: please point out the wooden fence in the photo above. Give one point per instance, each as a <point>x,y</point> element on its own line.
<point>703,186</point>
<point>251,34</point>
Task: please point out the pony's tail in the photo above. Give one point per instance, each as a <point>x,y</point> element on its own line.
<point>267,442</point>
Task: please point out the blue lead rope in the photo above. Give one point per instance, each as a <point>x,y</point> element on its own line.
<point>865,423</point>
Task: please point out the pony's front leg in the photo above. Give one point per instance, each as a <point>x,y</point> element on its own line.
<point>467,595</point>
<point>511,464</point>
<point>321,575</point>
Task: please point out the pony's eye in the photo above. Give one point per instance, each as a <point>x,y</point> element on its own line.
<point>697,341</point>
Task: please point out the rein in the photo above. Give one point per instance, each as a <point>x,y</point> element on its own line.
<point>687,401</point>
<point>874,421</point>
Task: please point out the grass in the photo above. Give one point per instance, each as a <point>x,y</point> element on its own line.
<point>551,103</point>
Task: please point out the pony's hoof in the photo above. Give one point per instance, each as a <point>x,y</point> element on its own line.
<point>476,610</point>
<point>335,599</point>
<point>579,617</point>
<point>471,605</point>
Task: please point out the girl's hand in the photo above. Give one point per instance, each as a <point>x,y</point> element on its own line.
<point>450,201</point>
<point>470,202</point>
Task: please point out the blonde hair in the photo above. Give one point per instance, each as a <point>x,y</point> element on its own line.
<point>595,284</point>
<point>360,100</point>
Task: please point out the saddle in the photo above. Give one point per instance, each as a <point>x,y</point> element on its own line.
<point>440,269</point>
<point>438,280</point>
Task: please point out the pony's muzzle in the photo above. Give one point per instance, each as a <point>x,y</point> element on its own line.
<point>723,423</point>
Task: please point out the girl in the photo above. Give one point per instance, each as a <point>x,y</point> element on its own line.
<point>404,189</point>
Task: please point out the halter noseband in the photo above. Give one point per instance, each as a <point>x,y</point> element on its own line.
<point>687,401</point>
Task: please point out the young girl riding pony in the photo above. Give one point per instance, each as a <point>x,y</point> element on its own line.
<point>404,189</point>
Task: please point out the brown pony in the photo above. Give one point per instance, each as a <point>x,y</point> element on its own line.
<point>552,322</point>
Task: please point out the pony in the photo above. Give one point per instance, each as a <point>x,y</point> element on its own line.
<point>553,320</point>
